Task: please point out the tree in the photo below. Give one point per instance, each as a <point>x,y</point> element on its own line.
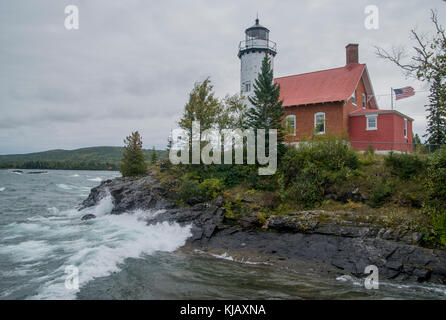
<point>429,57</point>
<point>232,114</point>
<point>267,111</point>
<point>154,157</point>
<point>436,119</point>
<point>428,63</point>
<point>202,106</point>
<point>133,162</point>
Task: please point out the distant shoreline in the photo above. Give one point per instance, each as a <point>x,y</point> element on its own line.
<point>91,158</point>
<point>30,169</point>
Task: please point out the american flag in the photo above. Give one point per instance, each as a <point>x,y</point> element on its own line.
<point>404,93</point>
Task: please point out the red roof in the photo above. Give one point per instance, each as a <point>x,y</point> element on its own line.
<point>321,86</point>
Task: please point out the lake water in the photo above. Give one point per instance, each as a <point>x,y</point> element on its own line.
<point>120,257</point>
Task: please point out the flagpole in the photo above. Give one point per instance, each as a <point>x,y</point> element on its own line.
<point>391,97</point>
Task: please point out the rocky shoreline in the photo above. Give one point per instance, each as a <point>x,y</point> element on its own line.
<point>347,245</point>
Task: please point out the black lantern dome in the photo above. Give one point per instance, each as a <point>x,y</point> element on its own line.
<point>257,31</point>
<point>257,40</point>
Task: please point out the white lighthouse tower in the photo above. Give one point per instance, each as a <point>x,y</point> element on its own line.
<point>251,53</point>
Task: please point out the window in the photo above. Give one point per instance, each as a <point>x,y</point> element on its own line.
<point>290,125</point>
<point>405,128</point>
<point>372,122</point>
<point>364,101</point>
<point>247,87</point>
<point>319,123</point>
<point>354,98</point>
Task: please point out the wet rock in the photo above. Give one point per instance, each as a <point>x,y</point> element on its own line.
<point>249,222</point>
<point>195,200</point>
<point>88,217</point>
<point>422,274</point>
<point>219,201</point>
<point>129,194</point>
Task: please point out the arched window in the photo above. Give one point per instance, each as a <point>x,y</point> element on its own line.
<point>319,123</point>
<point>290,125</point>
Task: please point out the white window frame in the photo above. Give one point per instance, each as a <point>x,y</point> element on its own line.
<point>405,128</point>
<point>325,122</point>
<point>364,101</point>
<point>354,100</point>
<point>291,116</point>
<point>369,116</point>
<point>248,86</point>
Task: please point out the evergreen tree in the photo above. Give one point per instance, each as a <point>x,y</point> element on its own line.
<point>154,157</point>
<point>436,120</point>
<point>133,162</point>
<point>267,111</point>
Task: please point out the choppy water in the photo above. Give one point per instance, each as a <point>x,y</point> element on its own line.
<point>120,257</point>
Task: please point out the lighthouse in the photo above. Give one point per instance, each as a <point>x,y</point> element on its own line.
<point>251,52</point>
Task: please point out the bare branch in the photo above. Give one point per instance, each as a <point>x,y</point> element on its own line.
<point>438,26</point>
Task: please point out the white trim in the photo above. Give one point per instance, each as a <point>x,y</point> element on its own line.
<point>381,111</point>
<point>356,98</point>
<point>405,128</point>
<point>368,85</point>
<point>325,122</point>
<point>367,117</point>
<point>294,123</point>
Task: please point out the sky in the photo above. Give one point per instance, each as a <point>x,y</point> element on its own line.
<point>131,64</point>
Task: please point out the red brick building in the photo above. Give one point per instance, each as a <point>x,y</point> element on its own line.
<point>342,101</point>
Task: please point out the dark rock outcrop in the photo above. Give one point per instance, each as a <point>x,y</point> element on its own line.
<point>348,254</point>
<point>145,193</point>
<point>88,217</point>
<point>130,194</point>
<point>349,241</point>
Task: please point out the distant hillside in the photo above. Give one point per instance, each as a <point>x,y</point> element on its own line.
<point>84,158</point>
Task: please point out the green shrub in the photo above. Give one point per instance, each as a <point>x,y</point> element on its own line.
<point>380,194</point>
<point>436,179</point>
<point>211,188</point>
<point>305,191</point>
<point>189,186</point>
<point>435,204</point>
<point>438,219</point>
<point>404,165</point>
<point>306,171</point>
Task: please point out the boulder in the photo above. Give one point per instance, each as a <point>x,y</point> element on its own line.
<point>88,216</point>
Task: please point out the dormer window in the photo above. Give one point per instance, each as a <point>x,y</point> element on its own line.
<point>354,98</point>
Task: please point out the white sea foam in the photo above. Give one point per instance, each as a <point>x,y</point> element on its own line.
<point>74,176</point>
<point>64,186</point>
<point>97,179</point>
<point>2,189</point>
<point>96,247</point>
<point>348,278</point>
<point>226,256</point>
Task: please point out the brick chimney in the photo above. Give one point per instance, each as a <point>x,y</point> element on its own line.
<point>351,53</point>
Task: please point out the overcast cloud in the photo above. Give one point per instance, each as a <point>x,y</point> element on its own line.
<point>132,63</point>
